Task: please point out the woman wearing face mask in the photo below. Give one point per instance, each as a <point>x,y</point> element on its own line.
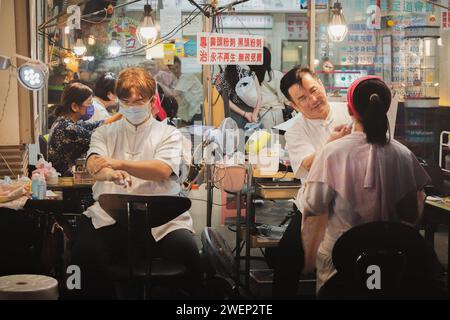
<point>70,134</point>
<point>136,155</point>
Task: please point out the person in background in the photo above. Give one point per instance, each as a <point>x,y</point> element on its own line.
<point>105,98</point>
<point>70,134</point>
<point>363,177</point>
<point>272,98</point>
<point>186,88</point>
<point>225,83</point>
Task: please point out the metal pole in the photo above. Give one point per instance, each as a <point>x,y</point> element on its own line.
<point>207,82</point>
<point>311,13</point>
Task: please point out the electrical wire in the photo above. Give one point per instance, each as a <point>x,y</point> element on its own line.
<point>45,24</point>
<point>97,22</point>
<point>165,37</point>
<point>7,93</point>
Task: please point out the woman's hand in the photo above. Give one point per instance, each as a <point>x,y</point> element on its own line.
<point>248,116</point>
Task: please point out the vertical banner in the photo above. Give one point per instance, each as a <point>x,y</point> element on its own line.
<point>446,17</point>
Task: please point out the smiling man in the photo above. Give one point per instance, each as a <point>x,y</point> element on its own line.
<point>317,123</point>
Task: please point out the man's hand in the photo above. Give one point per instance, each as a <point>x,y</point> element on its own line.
<point>119,177</point>
<point>97,163</point>
<point>339,132</point>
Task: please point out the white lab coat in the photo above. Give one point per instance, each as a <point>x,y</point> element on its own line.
<point>153,140</point>
<point>307,136</point>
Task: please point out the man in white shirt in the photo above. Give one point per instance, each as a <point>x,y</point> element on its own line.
<point>138,155</point>
<point>105,97</point>
<point>186,88</point>
<point>317,123</point>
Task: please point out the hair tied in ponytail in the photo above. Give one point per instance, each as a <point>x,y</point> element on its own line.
<point>374,97</point>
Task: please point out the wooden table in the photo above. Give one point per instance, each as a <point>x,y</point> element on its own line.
<point>435,213</point>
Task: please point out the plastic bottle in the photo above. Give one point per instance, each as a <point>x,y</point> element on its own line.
<point>34,186</point>
<point>42,187</point>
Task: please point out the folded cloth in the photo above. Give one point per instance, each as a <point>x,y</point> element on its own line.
<point>17,204</point>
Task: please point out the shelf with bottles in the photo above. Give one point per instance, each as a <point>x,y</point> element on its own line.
<point>422,72</point>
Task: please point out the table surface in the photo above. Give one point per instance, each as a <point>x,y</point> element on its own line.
<point>279,175</point>
<point>67,182</point>
<point>445,205</point>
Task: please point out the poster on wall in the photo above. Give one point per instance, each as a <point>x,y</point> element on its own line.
<point>296,26</point>
<point>126,29</point>
<point>169,53</point>
<point>320,4</point>
<point>224,49</point>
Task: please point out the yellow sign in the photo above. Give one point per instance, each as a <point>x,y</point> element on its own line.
<point>179,49</point>
<point>169,53</point>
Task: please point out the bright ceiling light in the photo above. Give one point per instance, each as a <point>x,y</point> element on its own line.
<point>147,32</point>
<point>114,47</point>
<point>337,28</point>
<point>79,48</point>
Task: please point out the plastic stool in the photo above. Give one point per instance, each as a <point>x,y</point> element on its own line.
<point>28,287</point>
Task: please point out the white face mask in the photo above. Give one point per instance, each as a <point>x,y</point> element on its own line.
<point>135,114</point>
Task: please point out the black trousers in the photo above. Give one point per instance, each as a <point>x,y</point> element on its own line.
<point>96,249</point>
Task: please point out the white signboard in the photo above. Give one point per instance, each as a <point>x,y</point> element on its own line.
<point>193,27</point>
<point>170,19</point>
<point>247,22</point>
<point>224,49</point>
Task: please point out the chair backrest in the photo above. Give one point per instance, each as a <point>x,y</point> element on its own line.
<point>394,251</point>
<point>162,208</point>
<point>219,253</point>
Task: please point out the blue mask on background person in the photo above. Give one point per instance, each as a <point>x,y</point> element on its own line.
<point>89,113</point>
<point>134,114</point>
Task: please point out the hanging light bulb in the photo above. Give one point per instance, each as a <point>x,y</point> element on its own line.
<point>337,28</point>
<point>147,31</point>
<point>79,48</point>
<point>91,40</point>
<point>114,47</point>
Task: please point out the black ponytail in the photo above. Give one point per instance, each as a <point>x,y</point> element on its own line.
<point>231,76</point>
<point>372,99</point>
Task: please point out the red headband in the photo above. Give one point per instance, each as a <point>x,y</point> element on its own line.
<point>351,107</point>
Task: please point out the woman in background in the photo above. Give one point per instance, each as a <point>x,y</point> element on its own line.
<point>272,99</point>
<point>226,83</point>
<point>70,134</point>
